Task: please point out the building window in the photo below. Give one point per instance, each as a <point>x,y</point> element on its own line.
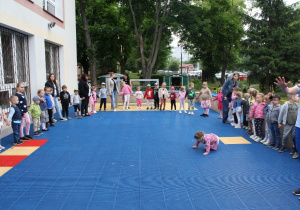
<point>54,7</point>
<point>14,65</point>
<point>52,61</point>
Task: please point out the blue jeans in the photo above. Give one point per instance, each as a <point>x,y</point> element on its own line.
<point>16,131</point>
<point>113,98</point>
<point>276,135</point>
<point>225,109</point>
<point>57,107</point>
<point>297,138</point>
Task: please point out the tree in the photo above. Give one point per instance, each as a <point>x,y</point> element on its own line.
<point>174,64</point>
<point>142,11</point>
<point>272,42</point>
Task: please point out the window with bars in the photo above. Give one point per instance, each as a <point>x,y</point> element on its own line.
<point>52,61</point>
<point>14,65</point>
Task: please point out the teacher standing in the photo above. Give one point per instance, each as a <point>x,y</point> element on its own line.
<point>84,94</point>
<point>112,89</point>
<point>227,92</point>
<point>53,84</point>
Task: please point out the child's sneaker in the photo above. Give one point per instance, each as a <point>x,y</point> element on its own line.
<point>257,139</point>
<point>275,148</point>
<point>232,124</point>
<point>151,108</point>
<point>137,108</point>
<point>237,126</point>
<point>39,132</point>
<point>28,136</point>
<point>185,112</point>
<point>189,112</point>
<point>147,108</point>
<point>180,112</point>
<point>171,110</point>
<point>94,113</point>
<point>46,129</point>
<point>19,142</point>
<point>267,142</point>
<point>141,108</point>
<point>292,151</point>
<point>1,147</point>
<point>295,156</point>
<point>252,136</point>
<point>192,113</point>
<point>36,134</point>
<point>54,120</point>
<point>282,149</point>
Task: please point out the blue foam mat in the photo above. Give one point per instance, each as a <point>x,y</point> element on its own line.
<point>145,160</point>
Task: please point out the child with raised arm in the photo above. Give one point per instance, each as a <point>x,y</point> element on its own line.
<point>237,108</point>
<point>15,117</point>
<point>257,112</point>
<point>163,95</point>
<point>181,96</point>
<point>272,120</point>
<point>36,114</point>
<point>103,95</point>
<point>173,97</point>
<point>139,97</point>
<point>23,108</point>
<point>190,94</point>
<point>2,119</point>
<point>205,99</point>
<point>126,91</point>
<point>219,98</point>
<point>288,118</point>
<point>211,141</point>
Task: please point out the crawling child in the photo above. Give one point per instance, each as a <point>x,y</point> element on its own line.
<point>211,141</point>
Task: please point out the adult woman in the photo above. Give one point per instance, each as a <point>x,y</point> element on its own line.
<point>84,94</point>
<point>227,92</point>
<point>127,82</point>
<point>53,84</point>
<point>112,89</point>
<point>293,91</point>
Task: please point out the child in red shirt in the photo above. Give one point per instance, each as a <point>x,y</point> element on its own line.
<point>149,94</point>
<point>173,99</point>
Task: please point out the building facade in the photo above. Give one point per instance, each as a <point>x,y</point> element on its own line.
<point>37,37</point>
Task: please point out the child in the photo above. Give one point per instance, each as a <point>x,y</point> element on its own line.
<point>139,97</point>
<point>76,101</point>
<point>36,113</point>
<point>15,115</point>
<point>103,95</point>
<point>181,96</point>
<point>150,95</point>
<point>257,112</point>
<point>126,91</point>
<point>245,108</point>
<point>233,97</point>
<point>94,97</point>
<point>272,120</point>
<point>288,118</point>
<point>163,95</point>
<point>65,99</point>
<point>173,99</point>
<point>2,119</point>
<point>268,135</point>
<point>205,98</point>
<point>43,107</point>
<point>24,112</point>
<point>48,98</point>
<point>237,108</point>
<point>156,98</point>
<point>211,141</point>
<point>252,92</point>
<point>190,94</point>
<point>220,103</point>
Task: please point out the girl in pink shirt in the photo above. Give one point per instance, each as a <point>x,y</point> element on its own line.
<point>181,96</point>
<point>220,103</point>
<point>211,141</point>
<point>257,112</point>
<point>126,91</point>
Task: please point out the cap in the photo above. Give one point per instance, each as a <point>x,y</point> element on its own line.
<point>36,98</point>
<point>75,89</point>
<point>275,96</point>
<point>103,83</point>
<point>172,88</point>
<point>148,85</point>
<point>155,83</point>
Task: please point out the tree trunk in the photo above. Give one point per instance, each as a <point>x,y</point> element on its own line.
<point>123,61</point>
<point>88,42</point>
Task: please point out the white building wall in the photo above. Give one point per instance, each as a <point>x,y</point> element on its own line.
<point>18,17</point>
